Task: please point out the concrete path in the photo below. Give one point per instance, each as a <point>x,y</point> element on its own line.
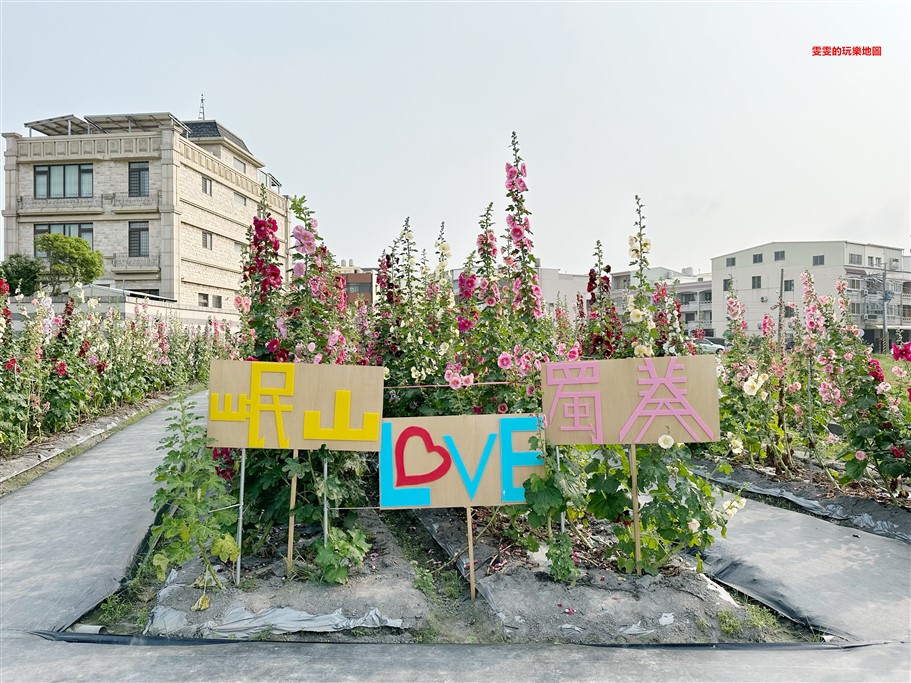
<point>68,538</point>
<point>831,578</point>
<point>28,658</point>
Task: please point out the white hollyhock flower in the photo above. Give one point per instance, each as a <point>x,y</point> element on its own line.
<point>665,441</point>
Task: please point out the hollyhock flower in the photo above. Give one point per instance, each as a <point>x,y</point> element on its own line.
<point>898,451</point>
<point>455,382</point>
<point>11,365</point>
<point>101,367</point>
<point>317,359</point>
<point>334,337</point>
<point>60,368</point>
<point>273,345</point>
<point>693,525</point>
<point>883,387</point>
<point>860,455</point>
<point>736,446</point>
<point>666,441</point>
<point>282,327</point>
<point>636,315</point>
<point>504,361</point>
<point>502,408</point>
<point>643,351</point>
<point>467,380</point>
<point>899,371</point>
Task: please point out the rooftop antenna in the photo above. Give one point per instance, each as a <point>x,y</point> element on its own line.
<point>202,107</point>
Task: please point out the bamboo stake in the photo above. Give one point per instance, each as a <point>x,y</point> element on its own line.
<point>291,518</point>
<point>470,553</point>
<point>325,500</point>
<point>562,514</point>
<point>635,492</point>
<point>240,515</point>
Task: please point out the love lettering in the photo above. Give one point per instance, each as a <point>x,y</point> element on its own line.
<point>456,461</point>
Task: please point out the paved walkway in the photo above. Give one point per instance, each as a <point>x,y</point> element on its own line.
<point>69,538</point>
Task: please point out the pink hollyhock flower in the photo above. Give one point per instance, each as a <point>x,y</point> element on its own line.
<point>860,455</point>
<point>455,382</point>
<point>282,327</point>
<point>317,359</point>
<point>530,390</point>
<point>505,360</point>
<point>502,408</point>
<point>333,337</point>
<point>60,368</point>
<point>517,233</point>
<point>468,380</point>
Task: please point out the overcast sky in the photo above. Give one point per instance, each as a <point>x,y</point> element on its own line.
<point>717,114</point>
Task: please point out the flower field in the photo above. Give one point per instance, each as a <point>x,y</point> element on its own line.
<point>479,349</point>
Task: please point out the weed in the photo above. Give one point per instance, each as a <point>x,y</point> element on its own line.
<point>730,625</point>
<point>248,584</point>
<point>423,579</point>
<point>113,610</point>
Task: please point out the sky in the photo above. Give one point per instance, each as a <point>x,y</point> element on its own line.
<point>716,114</point>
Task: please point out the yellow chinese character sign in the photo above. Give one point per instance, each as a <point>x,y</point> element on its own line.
<point>631,401</point>
<point>295,405</point>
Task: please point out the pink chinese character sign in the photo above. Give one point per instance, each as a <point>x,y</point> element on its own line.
<point>631,401</point>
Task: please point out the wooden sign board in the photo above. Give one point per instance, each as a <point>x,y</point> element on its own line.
<point>631,401</point>
<point>295,405</point>
<point>457,461</point>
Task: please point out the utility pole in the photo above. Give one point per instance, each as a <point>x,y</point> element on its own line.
<point>887,297</point>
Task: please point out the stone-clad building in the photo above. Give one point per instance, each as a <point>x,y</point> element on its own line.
<point>167,202</point>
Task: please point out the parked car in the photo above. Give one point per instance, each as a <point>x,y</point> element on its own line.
<point>720,341</point>
<point>706,346</point>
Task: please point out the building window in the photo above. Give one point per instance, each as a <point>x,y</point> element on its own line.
<point>359,288</point>
<point>879,262</point>
<point>139,238</point>
<point>207,186</point>
<point>789,285</point>
<point>66,180</point>
<point>788,311</point>
<point>730,262</point>
<point>203,299</point>
<point>83,230</point>
<point>240,165</point>
<point>855,259</point>
<point>757,281</point>
<point>207,239</point>
<point>856,308</point>
<point>819,260</point>
<point>779,255</point>
<point>854,283</point>
<point>216,301</point>
<point>728,285</point>
<point>240,199</point>
<point>706,297</point>
<point>757,258</point>
<point>139,179</point>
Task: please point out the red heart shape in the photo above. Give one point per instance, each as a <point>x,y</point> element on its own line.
<point>403,479</point>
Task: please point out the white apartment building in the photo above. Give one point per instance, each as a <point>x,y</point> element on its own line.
<point>758,274</point>
<point>167,202</point>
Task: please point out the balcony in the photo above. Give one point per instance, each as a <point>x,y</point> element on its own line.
<point>135,264</point>
<point>123,203</point>
<point>29,206</point>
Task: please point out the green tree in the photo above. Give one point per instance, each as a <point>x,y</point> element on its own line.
<point>21,272</point>
<point>70,260</point>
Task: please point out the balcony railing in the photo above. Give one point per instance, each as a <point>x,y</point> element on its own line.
<point>135,263</point>
<point>65,205</point>
<point>122,203</point>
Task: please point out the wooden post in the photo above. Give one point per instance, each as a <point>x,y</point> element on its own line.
<point>291,518</point>
<point>562,514</point>
<point>470,553</point>
<point>635,492</point>
<point>240,515</point>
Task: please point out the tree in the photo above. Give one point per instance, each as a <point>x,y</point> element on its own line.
<point>21,272</point>
<point>70,260</point>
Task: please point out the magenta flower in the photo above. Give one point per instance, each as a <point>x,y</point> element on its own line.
<point>504,361</point>
<point>502,408</point>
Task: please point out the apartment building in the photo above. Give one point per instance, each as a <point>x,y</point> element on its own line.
<point>693,291</point>
<point>877,276</point>
<point>167,202</point>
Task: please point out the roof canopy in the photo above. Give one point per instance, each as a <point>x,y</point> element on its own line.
<point>60,125</point>
<point>105,123</point>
